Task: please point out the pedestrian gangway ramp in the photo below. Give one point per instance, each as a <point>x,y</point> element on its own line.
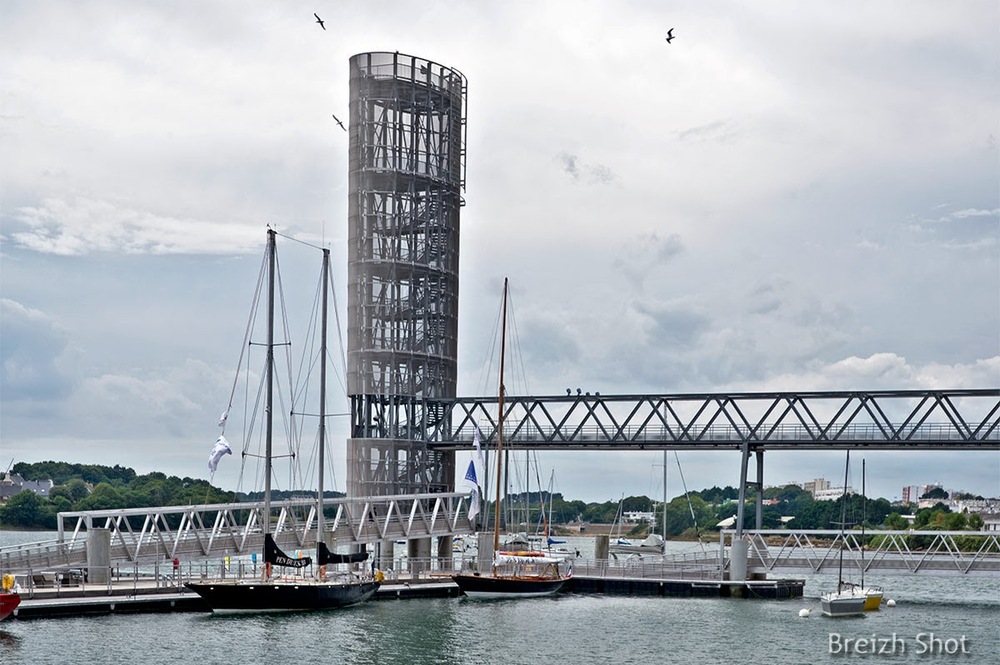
<point>784,551</point>
<point>216,530</point>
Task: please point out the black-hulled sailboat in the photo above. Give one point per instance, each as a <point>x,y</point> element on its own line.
<point>277,593</point>
<point>514,574</point>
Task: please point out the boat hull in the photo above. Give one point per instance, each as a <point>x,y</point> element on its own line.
<point>873,600</point>
<point>843,605</point>
<point>8,603</point>
<point>487,586</point>
<point>279,596</point>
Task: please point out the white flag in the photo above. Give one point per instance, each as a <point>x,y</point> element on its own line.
<point>223,418</point>
<point>220,448</point>
<point>473,503</point>
<point>479,450</point>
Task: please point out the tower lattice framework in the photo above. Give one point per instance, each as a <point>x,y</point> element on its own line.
<point>406,177</point>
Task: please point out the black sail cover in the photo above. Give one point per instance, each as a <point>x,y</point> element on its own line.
<point>274,555</point>
<point>324,556</point>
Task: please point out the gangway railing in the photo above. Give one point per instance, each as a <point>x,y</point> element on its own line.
<point>216,530</point>
<point>783,551</point>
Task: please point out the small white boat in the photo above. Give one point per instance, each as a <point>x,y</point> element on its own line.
<point>873,594</point>
<point>651,544</point>
<point>848,600</point>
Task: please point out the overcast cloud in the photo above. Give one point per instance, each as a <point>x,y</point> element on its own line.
<point>793,196</point>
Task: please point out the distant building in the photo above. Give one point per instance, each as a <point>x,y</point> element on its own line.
<point>927,488</point>
<point>821,490</point>
<point>636,516</point>
<point>817,485</point>
<point>910,494</point>
<point>832,493</point>
<point>13,484</point>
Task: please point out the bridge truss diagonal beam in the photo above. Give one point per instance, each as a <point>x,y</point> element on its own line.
<point>902,419</point>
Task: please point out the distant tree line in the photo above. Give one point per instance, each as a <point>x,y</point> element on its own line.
<point>79,487</point>
<point>698,512</point>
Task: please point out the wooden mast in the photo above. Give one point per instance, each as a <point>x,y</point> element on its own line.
<point>503,342</point>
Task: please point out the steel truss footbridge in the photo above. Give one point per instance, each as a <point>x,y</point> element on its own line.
<point>884,420</point>
<point>939,420</point>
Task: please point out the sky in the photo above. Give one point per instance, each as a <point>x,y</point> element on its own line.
<point>788,196</point>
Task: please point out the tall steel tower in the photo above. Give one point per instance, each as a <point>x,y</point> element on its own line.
<point>407,174</point>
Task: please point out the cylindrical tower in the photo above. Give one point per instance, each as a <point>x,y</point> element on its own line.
<point>407,173</point>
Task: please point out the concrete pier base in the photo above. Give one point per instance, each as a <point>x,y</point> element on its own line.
<point>738,560</point>
<point>484,543</point>
<point>602,546</point>
<point>98,556</point>
<point>386,553</point>
<point>419,551</point>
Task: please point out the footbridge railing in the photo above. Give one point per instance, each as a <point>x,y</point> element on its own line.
<point>214,530</point>
<point>784,551</point>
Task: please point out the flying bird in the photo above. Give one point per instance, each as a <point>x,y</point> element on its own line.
<point>319,20</point>
<point>338,119</point>
<point>670,35</point>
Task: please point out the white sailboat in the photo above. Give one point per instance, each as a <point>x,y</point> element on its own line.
<point>547,544</point>
<point>849,599</point>
<point>873,594</point>
<point>513,574</point>
<point>653,544</point>
<point>296,592</point>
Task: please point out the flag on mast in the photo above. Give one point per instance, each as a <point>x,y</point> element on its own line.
<point>479,449</point>
<point>470,483</point>
<point>220,448</point>
<point>473,504</point>
<point>470,476</point>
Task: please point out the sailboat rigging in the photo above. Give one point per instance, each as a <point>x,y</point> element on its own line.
<point>275,592</point>
<point>873,594</point>
<point>848,599</point>
<point>513,574</point>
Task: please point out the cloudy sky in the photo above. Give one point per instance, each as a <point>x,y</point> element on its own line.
<point>795,196</point>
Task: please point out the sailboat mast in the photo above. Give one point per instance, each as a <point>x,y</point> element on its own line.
<point>843,523</point>
<point>269,377</point>
<point>503,349</point>
<point>664,506</point>
<point>322,399</point>
<point>864,516</point>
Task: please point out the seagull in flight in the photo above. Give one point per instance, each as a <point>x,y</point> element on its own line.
<point>670,35</point>
<point>337,119</point>
<point>319,20</point>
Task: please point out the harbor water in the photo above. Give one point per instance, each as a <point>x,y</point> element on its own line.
<point>935,619</point>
